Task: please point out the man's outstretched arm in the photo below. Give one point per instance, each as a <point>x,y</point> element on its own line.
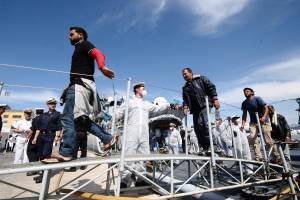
<point>100,59</point>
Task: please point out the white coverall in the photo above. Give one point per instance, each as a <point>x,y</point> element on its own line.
<point>175,140</point>
<point>22,141</point>
<point>242,146</point>
<point>194,145</point>
<point>137,141</point>
<point>226,138</point>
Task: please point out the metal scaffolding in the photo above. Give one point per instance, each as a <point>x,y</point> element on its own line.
<point>200,175</point>
<point>204,173</point>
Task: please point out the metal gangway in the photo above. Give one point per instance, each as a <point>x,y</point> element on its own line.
<point>203,174</point>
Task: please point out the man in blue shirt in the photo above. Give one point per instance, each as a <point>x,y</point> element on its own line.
<point>254,104</point>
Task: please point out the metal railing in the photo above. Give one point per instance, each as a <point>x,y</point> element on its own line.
<point>207,169</point>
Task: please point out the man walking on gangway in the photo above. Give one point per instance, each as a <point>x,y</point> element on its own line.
<point>81,98</point>
<point>194,92</point>
<point>253,104</point>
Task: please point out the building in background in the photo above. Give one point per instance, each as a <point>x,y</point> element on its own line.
<point>10,117</point>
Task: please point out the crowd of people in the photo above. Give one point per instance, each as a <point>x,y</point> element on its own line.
<point>36,137</point>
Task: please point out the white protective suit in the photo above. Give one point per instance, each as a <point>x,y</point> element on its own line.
<point>242,146</point>
<point>194,145</point>
<point>22,141</point>
<point>137,141</point>
<point>217,138</point>
<point>175,140</point>
<point>225,136</point>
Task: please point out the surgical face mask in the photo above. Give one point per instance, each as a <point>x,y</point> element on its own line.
<point>144,93</point>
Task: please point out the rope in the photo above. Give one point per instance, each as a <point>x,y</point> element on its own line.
<point>113,85</point>
<point>53,70</point>
<point>33,87</point>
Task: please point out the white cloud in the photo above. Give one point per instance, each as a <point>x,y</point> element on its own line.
<point>274,82</point>
<point>209,15</point>
<point>135,14</point>
<point>270,91</point>
<point>285,70</point>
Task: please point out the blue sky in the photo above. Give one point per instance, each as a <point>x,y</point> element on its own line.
<point>236,43</point>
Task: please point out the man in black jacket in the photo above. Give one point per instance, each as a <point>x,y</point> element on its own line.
<point>280,130</point>
<point>194,92</point>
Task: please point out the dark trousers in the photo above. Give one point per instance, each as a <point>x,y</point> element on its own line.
<point>45,145</point>
<point>183,145</point>
<point>201,128</point>
<point>80,143</point>
<point>32,151</point>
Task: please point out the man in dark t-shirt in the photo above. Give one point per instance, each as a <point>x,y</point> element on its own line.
<point>82,62</point>
<point>80,97</point>
<point>254,104</point>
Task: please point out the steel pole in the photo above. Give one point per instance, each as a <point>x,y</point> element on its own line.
<point>185,135</point>
<point>1,87</point>
<point>262,139</point>
<point>124,136</point>
<point>45,185</point>
<point>186,143</point>
<point>108,181</point>
<point>113,123</point>
<point>235,149</point>
<point>286,170</point>
<point>213,162</point>
<point>172,177</point>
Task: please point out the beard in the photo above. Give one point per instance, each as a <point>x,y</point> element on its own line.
<point>74,41</point>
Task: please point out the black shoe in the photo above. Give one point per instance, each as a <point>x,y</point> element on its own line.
<point>123,185</point>
<point>31,173</point>
<point>71,169</point>
<point>201,154</point>
<point>83,167</point>
<point>39,179</point>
